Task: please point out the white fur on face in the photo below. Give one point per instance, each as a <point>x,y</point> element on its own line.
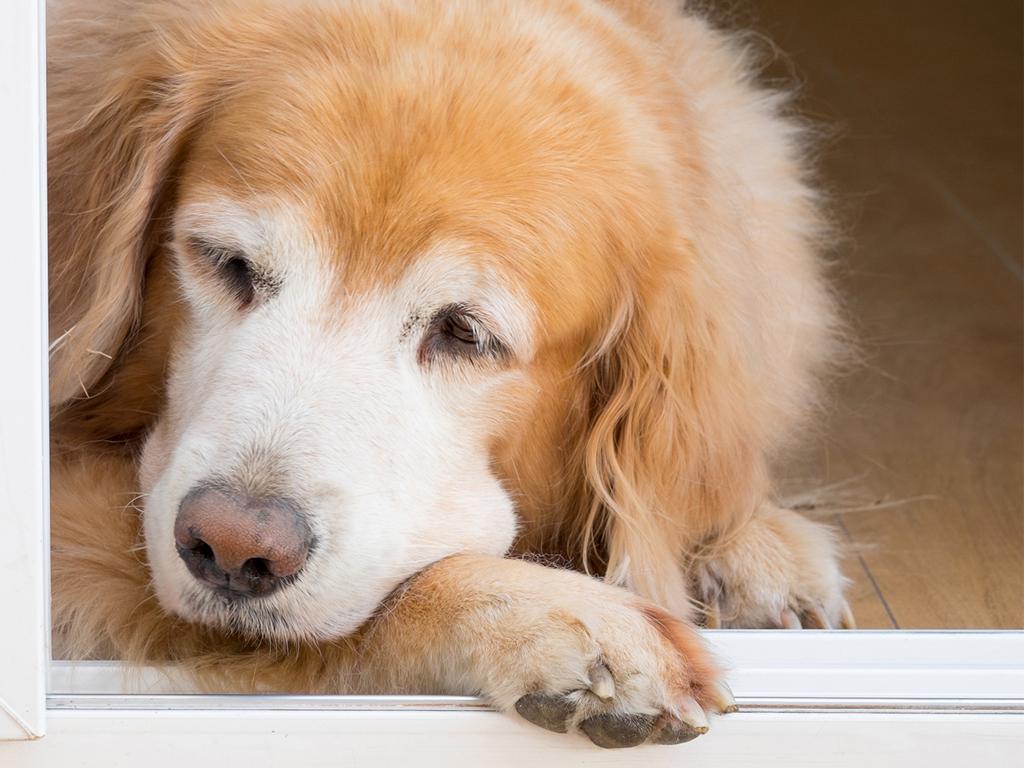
<point>326,404</point>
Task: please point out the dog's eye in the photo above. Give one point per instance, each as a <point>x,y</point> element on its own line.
<point>238,276</point>
<point>234,269</point>
<point>455,331</point>
<point>459,327</point>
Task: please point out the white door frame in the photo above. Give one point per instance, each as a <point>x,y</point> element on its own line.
<point>24,500</point>
<point>842,698</point>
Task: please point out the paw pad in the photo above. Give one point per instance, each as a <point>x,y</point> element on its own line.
<point>548,710</point>
<point>614,731</point>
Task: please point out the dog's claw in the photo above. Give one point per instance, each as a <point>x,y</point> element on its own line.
<point>672,731</point>
<point>548,710</point>
<point>720,696</point>
<point>615,731</point>
<point>846,620</point>
<point>602,684</point>
<point>789,620</point>
<point>712,616</point>
<point>814,618</point>
<point>691,714</point>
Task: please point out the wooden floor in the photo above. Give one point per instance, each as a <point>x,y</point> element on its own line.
<point>925,168</point>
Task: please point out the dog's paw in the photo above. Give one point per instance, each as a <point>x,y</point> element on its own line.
<point>780,571</point>
<point>601,661</point>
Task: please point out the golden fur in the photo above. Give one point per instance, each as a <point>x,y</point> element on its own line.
<point>627,173</point>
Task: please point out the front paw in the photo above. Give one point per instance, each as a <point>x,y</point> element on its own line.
<point>780,571</point>
<point>599,660</point>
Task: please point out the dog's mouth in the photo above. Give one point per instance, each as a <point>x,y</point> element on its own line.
<point>237,614</point>
<point>288,615</point>
<point>279,617</point>
<point>254,619</point>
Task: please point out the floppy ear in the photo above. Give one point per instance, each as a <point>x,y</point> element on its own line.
<point>670,451</point>
<point>118,122</point>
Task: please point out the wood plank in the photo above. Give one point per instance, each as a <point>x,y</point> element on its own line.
<point>863,594</point>
<point>927,177</point>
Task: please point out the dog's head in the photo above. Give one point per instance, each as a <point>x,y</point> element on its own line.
<point>414,277</point>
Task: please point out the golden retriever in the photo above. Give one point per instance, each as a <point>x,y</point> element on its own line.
<point>351,300</point>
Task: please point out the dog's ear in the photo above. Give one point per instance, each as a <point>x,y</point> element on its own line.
<point>670,450</point>
<point>118,125</point>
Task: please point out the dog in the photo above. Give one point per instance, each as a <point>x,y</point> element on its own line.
<point>441,346</point>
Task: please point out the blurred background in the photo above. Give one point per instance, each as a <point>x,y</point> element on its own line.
<point>920,102</point>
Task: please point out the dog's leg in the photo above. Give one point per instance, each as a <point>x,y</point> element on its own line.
<point>778,570</point>
<point>563,649</point>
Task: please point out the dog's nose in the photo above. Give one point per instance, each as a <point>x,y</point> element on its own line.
<point>247,545</point>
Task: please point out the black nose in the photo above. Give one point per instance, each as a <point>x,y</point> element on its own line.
<point>250,546</point>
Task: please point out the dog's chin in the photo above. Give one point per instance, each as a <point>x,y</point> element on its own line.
<point>262,619</point>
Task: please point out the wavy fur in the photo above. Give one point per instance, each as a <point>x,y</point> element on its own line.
<point>656,408</point>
